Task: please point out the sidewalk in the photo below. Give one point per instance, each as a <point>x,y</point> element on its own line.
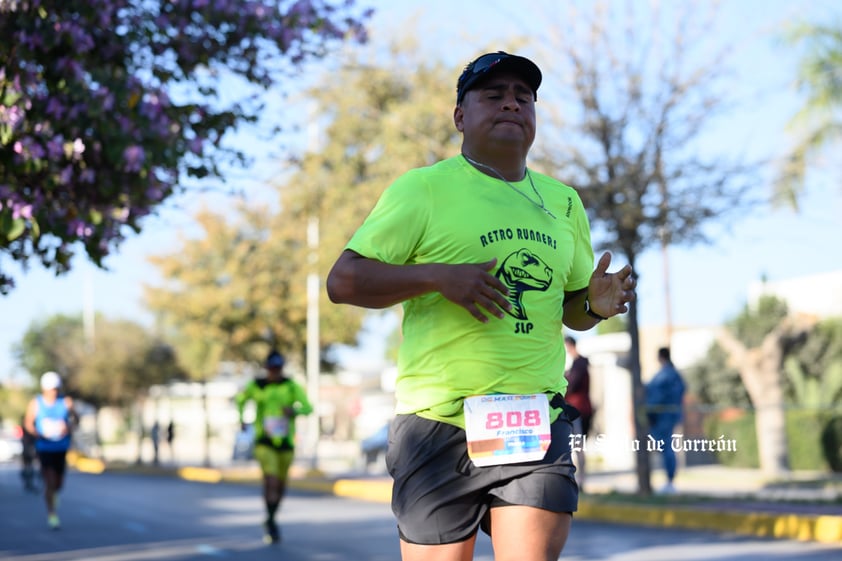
<point>804,506</point>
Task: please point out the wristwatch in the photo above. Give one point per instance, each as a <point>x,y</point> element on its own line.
<point>592,313</point>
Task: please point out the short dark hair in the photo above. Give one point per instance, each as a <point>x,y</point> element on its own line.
<point>664,354</point>
<point>570,340</point>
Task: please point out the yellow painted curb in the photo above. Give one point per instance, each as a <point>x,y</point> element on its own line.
<point>84,464</point>
<point>828,529</point>
<point>317,485</point>
<point>90,465</point>
<point>378,491</point>
<point>824,529</point>
<point>204,475</point>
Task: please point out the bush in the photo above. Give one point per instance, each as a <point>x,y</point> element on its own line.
<point>810,447</point>
<point>740,428</point>
<point>803,428</point>
<point>831,439</point>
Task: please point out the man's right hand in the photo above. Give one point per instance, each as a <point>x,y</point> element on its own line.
<point>369,283</point>
<point>473,287</point>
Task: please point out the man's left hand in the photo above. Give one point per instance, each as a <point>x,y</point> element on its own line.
<point>610,293</point>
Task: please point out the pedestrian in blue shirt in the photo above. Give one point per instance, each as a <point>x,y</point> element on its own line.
<point>664,396</point>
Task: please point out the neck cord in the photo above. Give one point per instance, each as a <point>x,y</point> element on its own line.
<point>539,204</point>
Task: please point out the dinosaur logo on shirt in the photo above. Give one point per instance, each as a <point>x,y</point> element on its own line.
<point>522,271</point>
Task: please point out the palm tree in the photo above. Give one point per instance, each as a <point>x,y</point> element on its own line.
<point>818,124</point>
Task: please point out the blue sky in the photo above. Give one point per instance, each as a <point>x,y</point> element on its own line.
<point>708,283</point>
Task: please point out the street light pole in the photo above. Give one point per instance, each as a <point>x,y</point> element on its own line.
<point>667,291</point>
<point>88,313</point>
<point>313,362</point>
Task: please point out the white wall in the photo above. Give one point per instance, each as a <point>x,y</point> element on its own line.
<point>818,295</point>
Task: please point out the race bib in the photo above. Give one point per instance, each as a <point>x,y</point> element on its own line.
<point>507,429</point>
<point>276,427</point>
<point>53,429</point>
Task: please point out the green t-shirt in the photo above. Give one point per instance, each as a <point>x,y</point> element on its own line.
<point>271,424</point>
<point>452,213</point>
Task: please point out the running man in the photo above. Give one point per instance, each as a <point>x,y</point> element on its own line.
<point>278,401</point>
<point>51,418</point>
<point>490,261</point>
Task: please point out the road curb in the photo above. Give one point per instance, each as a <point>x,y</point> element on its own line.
<point>800,527</point>
<point>200,474</point>
<point>818,528</point>
<point>85,464</point>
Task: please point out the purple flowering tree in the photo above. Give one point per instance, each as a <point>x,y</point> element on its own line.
<point>108,106</point>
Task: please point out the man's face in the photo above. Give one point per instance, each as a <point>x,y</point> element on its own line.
<point>498,112</point>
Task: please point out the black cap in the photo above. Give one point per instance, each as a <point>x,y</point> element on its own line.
<point>275,360</point>
<point>489,63</point>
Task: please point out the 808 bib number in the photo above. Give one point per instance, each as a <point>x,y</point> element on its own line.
<point>506,428</point>
<point>513,419</point>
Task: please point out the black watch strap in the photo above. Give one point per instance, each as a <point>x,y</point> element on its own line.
<point>592,313</point>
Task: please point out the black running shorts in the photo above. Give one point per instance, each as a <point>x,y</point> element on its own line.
<point>440,497</point>
<point>56,461</point>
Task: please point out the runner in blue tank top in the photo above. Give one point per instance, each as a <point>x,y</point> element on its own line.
<point>50,417</point>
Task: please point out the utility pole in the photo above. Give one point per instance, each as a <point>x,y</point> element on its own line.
<point>313,354</point>
<point>313,362</point>
<point>667,290</point>
<point>88,314</point>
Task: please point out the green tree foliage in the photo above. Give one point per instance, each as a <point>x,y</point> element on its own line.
<point>225,292</point>
<point>377,122</point>
<point>817,126</point>
<point>382,121</point>
<point>124,362</point>
<point>616,324</point>
<point>107,107</point>
<point>56,343</point>
<point>814,369</point>
<point>14,400</point>
<point>715,383</point>
<point>114,368</point>
<point>813,391</point>
<point>754,323</point>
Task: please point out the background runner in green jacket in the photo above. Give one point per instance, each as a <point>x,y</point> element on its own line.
<point>278,401</point>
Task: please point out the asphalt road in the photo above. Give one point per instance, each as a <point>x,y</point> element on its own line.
<point>121,517</point>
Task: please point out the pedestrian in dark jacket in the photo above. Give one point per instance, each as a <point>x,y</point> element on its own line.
<point>664,396</point>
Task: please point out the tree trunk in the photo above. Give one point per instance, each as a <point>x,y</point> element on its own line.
<point>206,415</point>
<point>100,453</point>
<point>141,429</point>
<point>772,445</point>
<point>760,370</point>
<point>642,465</point>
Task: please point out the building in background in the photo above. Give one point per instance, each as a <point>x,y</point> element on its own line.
<point>815,295</point>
